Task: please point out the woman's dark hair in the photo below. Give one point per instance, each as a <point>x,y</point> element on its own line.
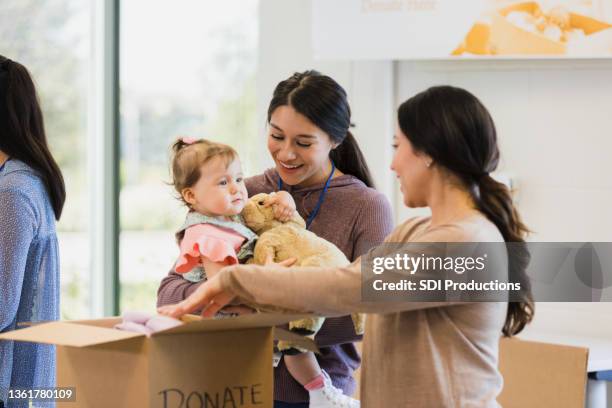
<point>454,128</point>
<point>323,101</point>
<point>22,131</point>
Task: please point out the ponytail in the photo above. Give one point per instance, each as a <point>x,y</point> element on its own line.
<point>22,131</point>
<point>456,130</point>
<point>494,200</point>
<point>349,159</point>
<point>185,141</point>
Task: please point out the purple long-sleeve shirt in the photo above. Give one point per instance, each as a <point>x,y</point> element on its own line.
<point>353,217</point>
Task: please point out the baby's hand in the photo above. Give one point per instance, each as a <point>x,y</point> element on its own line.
<point>282,204</point>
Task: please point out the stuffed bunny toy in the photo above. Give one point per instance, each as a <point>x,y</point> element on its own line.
<point>291,239</point>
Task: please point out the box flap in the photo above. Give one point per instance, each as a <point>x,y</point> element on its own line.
<point>83,333</point>
<point>68,334</point>
<point>542,375</point>
<point>304,342</point>
<point>108,322</point>
<point>197,324</point>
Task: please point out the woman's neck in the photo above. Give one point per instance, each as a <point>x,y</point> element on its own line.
<point>449,202</point>
<point>320,177</point>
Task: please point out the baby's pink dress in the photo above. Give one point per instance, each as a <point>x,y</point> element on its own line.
<point>215,243</point>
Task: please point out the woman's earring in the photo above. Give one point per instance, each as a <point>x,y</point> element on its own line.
<point>429,163</point>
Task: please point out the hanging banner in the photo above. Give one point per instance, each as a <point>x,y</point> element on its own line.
<point>445,29</point>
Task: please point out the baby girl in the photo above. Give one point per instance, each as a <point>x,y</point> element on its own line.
<point>208,177</point>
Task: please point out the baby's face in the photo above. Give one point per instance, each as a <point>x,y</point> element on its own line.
<point>220,191</point>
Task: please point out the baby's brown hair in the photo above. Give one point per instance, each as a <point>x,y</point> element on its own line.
<point>188,156</point>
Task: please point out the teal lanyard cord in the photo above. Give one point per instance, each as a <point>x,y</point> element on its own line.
<point>314,213</point>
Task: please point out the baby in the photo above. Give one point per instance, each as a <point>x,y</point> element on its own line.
<point>208,177</point>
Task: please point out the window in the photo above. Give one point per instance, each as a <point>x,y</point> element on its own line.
<point>186,69</point>
<point>52,39</point>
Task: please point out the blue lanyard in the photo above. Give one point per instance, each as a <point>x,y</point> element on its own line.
<point>314,213</point>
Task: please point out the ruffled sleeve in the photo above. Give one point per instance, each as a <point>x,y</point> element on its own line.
<point>205,240</point>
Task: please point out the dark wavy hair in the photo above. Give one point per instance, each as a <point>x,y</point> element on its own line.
<point>324,102</point>
<point>22,130</point>
<point>454,128</point>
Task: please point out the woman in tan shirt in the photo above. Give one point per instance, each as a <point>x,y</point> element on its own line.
<point>416,354</point>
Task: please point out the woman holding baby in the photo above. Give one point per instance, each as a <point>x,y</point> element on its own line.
<point>319,163</point>
<point>416,354</point>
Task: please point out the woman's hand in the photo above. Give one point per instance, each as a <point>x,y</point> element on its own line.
<point>210,296</point>
<point>282,204</point>
<point>287,262</point>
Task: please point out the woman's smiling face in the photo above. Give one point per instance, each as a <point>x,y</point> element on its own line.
<point>299,148</point>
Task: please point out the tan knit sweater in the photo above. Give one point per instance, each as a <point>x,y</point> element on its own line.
<point>414,354</point>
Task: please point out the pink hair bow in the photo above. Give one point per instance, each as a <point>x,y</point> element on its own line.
<point>188,140</point>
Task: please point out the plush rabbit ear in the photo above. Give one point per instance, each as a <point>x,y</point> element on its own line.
<point>298,220</point>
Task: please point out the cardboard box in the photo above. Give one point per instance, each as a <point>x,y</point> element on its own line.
<point>507,38</point>
<point>542,374</point>
<point>203,363</point>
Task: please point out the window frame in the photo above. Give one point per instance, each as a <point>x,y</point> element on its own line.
<point>103,150</point>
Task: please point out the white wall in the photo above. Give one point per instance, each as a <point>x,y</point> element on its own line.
<point>286,46</point>
<point>554,120</point>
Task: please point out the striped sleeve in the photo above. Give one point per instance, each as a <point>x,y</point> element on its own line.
<point>174,288</point>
